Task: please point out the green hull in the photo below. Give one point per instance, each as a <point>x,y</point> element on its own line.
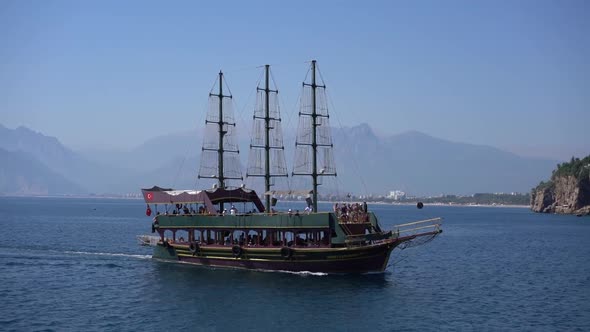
<point>327,260</point>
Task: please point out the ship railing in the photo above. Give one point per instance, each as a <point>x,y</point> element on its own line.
<point>148,240</point>
<point>362,239</point>
<point>418,228</point>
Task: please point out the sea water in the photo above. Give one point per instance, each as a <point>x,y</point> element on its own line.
<point>75,265</point>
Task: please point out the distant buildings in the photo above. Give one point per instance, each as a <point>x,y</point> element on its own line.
<point>396,195</point>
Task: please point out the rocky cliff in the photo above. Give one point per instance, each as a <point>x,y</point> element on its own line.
<point>567,192</point>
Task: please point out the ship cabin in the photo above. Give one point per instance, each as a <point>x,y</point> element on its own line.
<point>236,217</point>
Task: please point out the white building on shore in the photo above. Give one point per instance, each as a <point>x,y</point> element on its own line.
<point>396,195</point>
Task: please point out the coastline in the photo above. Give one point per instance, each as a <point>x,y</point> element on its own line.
<point>290,201</point>
<point>455,205</point>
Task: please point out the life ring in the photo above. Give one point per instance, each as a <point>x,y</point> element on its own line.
<point>236,251</point>
<point>286,252</point>
<point>194,248</point>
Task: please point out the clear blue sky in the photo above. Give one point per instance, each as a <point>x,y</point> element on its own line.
<point>511,74</point>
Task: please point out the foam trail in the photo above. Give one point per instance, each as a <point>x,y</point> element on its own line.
<point>108,254</point>
<point>301,273</point>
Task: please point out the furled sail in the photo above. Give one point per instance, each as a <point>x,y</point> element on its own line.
<point>313,147</point>
<point>303,161</point>
<point>220,153</point>
<point>257,158</point>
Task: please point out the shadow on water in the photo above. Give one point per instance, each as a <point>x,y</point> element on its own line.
<point>221,293</point>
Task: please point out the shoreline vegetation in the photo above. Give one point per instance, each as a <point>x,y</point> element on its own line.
<point>477,200</point>
<point>567,191</point>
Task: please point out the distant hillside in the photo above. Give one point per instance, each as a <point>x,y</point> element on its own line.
<point>22,174</point>
<point>152,154</point>
<point>421,164</point>
<point>366,163</point>
<point>414,162</point>
<point>92,176</point>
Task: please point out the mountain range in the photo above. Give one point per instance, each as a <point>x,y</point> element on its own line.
<point>32,163</point>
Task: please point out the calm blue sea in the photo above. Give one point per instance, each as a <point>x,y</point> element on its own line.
<point>74,265</point>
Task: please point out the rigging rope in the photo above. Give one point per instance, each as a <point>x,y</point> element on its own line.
<point>354,161</point>
<point>187,149</point>
<point>418,241</point>
<point>246,104</point>
<point>201,121</point>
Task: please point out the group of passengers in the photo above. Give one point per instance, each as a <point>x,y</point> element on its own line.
<point>351,213</point>
<point>186,209</point>
<point>253,240</point>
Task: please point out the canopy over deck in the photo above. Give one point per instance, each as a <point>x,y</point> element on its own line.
<point>157,195</point>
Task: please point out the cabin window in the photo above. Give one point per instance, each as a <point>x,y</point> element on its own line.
<point>227,238</point>
<point>251,238</point>
<point>196,235</point>
<point>239,238</point>
<point>181,235</point>
<point>289,238</point>
<point>301,239</point>
<point>210,237</point>
<point>168,235</point>
<point>220,237</point>
<point>264,239</point>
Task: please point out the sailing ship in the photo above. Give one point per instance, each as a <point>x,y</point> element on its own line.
<point>196,226</point>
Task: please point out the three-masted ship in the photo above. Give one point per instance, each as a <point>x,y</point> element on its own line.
<point>204,227</point>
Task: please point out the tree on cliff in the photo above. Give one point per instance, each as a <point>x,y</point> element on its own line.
<point>568,190</point>
<point>580,168</point>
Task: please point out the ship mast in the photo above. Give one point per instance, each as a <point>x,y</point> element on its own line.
<point>271,141</point>
<point>320,141</point>
<point>216,146</point>
<point>314,146</point>
<point>220,177</point>
<point>267,137</point>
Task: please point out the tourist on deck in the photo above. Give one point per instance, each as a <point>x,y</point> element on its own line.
<point>233,211</point>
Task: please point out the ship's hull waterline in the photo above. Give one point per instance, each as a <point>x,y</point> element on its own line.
<point>365,259</point>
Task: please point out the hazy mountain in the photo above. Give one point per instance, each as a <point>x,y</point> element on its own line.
<point>366,163</point>
<point>91,176</point>
<point>153,154</point>
<point>421,164</point>
<point>22,174</point>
